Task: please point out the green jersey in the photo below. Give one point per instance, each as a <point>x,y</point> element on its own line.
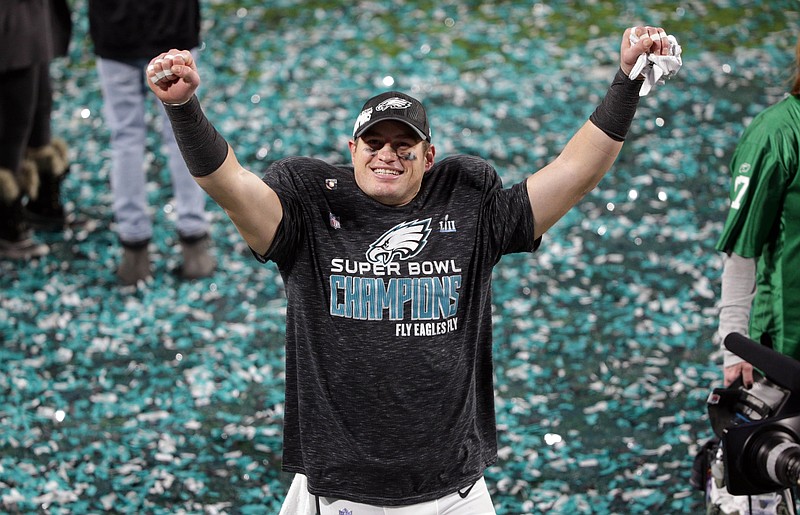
<point>764,220</point>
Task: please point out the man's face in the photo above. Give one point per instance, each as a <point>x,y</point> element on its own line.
<point>390,160</point>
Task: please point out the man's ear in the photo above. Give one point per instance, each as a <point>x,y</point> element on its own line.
<point>352,145</point>
<point>429,157</point>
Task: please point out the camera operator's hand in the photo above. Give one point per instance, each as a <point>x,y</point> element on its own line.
<point>743,369</point>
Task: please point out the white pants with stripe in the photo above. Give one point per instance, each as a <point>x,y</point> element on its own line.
<point>300,502</point>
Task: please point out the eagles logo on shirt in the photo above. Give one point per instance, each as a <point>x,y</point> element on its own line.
<point>401,242</point>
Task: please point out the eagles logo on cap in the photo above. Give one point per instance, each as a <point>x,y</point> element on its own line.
<point>393,105</point>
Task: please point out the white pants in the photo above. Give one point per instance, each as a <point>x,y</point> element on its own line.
<point>300,502</point>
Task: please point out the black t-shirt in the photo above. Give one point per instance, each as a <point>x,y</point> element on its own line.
<point>389,383</point>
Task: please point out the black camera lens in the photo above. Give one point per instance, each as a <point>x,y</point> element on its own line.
<point>777,454</point>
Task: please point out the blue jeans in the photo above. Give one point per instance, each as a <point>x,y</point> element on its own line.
<point>125,96</point>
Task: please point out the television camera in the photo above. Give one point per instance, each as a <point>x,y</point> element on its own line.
<point>759,426</point>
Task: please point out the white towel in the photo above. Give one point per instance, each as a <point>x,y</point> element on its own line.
<point>656,68</point>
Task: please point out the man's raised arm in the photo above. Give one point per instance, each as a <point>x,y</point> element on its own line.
<point>252,205</point>
<point>589,154</point>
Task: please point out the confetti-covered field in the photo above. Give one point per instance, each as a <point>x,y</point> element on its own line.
<point>168,398</point>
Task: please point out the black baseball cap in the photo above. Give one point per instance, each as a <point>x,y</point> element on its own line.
<point>393,105</point>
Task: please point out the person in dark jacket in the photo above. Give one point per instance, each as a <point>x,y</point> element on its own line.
<point>126,34</point>
<point>32,163</point>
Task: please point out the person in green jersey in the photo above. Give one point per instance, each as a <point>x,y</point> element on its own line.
<point>760,291</point>
<point>760,294</point>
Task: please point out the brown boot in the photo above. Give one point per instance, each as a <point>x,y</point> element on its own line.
<point>135,264</point>
<point>16,241</point>
<point>45,210</point>
<point>197,259</point>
